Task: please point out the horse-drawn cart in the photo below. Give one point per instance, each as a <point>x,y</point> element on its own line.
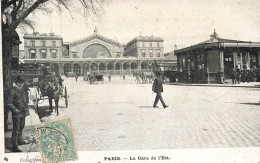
<point>43,84</point>
<point>95,78</point>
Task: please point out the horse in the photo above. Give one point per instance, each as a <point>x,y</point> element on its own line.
<point>53,89</point>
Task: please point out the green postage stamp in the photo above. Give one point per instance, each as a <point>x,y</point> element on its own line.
<point>55,140</point>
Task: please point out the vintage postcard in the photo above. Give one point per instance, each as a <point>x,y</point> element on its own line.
<point>130,81</point>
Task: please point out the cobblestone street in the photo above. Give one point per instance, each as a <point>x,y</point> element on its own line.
<point>119,115</point>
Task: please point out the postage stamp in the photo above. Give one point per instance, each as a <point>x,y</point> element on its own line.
<point>56,141</point>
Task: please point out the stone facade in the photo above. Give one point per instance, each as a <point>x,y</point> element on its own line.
<point>95,53</point>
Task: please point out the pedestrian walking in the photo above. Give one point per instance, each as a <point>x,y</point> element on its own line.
<point>76,77</point>
<point>233,76</point>
<point>244,75</point>
<point>123,77</point>
<point>248,76</point>
<point>254,78</point>
<point>109,77</point>
<point>238,75</point>
<point>221,76</point>
<point>158,89</point>
<point>17,102</point>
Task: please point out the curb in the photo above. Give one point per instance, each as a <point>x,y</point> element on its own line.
<point>209,85</point>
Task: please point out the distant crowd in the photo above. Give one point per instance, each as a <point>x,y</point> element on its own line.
<point>244,75</point>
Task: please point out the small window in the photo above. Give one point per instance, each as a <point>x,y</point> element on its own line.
<point>151,44</point>
<point>158,53</point>
<point>143,44</point>
<point>143,53</point>
<point>151,53</point>
<point>118,54</point>
<point>54,53</point>
<point>43,43</point>
<point>158,44</point>
<point>44,53</point>
<point>33,53</point>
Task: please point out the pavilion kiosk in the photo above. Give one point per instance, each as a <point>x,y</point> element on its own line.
<point>201,63</point>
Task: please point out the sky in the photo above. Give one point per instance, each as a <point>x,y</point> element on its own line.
<point>180,22</point>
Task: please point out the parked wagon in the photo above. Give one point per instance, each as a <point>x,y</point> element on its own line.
<point>37,76</point>
<point>95,78</point>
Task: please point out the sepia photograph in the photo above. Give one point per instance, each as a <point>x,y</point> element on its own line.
<point>129,75</point>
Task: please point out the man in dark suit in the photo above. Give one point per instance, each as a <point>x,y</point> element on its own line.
<point>17,102</point>
<point>158,89</point>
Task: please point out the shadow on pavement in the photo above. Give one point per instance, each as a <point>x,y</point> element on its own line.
<point>28,136</point>
<point>43,111</point>
<point>145,106</point>
<point>251,103</point>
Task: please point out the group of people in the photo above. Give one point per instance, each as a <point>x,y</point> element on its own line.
<point>244,75</point>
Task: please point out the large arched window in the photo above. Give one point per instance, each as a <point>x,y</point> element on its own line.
<point>96,51</point>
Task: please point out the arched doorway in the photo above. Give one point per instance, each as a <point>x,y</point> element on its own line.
<point>94,66</point>
<point>126,65</point>
<point>110,66</point>
<point>144,65</point>
<point>126,68</point>
<point>102,67</point>
<point>67,68</point>
<point>118,68</point>
<point>133,65</point>
<point>76,69</point>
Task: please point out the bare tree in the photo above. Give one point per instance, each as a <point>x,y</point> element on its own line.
<point>15,13</point>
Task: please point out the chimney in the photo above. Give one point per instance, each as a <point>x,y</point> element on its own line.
<point>175,47</point>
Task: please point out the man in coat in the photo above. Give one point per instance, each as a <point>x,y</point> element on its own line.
<point>158,89</point>
<point>17,102</point>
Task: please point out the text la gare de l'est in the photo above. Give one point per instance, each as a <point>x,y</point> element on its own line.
<point>138,158</point>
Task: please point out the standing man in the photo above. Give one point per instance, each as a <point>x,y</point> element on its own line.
<point>17,103</point>
<point>238,75</point>
<point>109,77</point>
<point>76,77</point>
<point>158,89</point>
<point>234,76</point>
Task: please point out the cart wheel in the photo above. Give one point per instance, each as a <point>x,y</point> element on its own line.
<point>35,105</point>
<point>66,97</point>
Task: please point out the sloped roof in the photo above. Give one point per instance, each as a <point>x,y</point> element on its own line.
<point>215,40</point>
<point>95,36</point>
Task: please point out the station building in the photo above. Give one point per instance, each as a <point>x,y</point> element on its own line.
<point>202,62</point>
<point>96,53</point>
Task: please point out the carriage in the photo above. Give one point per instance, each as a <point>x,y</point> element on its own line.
<point>95,78</point>
<point>37,77</point>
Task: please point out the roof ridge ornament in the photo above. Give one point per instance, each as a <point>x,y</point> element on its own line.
<point>214,35</point>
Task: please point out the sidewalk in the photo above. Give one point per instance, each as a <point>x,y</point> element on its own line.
<point>245,85</point>
<point>28,133</point>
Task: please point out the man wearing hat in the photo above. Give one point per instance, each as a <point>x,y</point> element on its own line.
<point>158,89</point>
<point>17,102</point>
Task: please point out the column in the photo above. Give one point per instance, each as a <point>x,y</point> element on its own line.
<point>247,60</point>
<point>258,53</point>
<point>235,59</point>
<point>72,67</point>
<point>61,67</point>
<point>241,61</point>
<point>81,68</point>
<point>221,60</point>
